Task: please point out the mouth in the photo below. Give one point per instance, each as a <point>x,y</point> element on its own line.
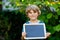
<point>33,16</point>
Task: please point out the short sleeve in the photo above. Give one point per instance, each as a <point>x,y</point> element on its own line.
<point>43,23</point>
<point>23,28</point>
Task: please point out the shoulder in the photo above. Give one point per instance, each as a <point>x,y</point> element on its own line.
<point>41,21</point>
<point>26,22</point>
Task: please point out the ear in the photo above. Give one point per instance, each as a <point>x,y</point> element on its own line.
<point>39,12</point>
<point>26,15</point>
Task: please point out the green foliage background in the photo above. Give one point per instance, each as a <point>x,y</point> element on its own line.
<point>50,14</point>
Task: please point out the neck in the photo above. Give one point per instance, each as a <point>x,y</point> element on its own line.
<point>33,21</point>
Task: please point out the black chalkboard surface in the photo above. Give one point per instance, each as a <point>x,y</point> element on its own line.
<point>35,31</point>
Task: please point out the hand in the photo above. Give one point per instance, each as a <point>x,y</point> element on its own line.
<point>48,34</point>
<point>23,34</point>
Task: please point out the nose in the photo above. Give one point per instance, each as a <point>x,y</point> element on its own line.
<point>32,13</point>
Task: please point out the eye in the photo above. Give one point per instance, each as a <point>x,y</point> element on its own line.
<point>29,12</point>
<point>35,11</point>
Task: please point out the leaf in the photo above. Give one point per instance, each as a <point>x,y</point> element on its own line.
<point>42,17</point>
<point>0,2</point>
<point>58,12</point>
<point>46,20</point>
<point>22,0</point>
<point>6,35</point>
<point>49,16</point>
<point>7,6</point>
<point>57,28</point>
<point>55,6</point>
<point>56,16</point>
<point>37,2</point>
<point>50,29</point>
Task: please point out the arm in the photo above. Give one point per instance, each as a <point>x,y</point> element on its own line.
<point>48,34</point>
<point>23,34</point>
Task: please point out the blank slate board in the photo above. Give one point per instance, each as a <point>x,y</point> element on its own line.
<point>35,31</point>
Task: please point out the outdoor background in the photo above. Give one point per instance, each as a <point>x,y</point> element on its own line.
<point>12,17</point>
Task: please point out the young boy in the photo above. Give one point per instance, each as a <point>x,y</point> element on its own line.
<point>32,13</point>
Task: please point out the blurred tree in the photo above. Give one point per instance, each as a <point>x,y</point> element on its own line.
<point>11,21</point>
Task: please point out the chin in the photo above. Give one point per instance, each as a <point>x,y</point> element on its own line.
<point>33,19</point>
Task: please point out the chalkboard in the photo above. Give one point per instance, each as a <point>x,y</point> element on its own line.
<point>35,31</point>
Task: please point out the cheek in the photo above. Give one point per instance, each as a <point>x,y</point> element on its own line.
<point>33,15</point>
<point>29,15</point>
<point>36,15</point>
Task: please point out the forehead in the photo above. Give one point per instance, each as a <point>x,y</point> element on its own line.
<point>32,10</point>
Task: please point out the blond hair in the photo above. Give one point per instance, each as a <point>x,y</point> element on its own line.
<point>34,8</point>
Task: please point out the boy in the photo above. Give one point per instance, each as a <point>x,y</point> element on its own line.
<point>32,13</point>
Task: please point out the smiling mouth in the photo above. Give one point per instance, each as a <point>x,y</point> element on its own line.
<point>33,16</point>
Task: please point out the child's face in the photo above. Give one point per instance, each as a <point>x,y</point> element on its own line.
<point>32,15</point>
